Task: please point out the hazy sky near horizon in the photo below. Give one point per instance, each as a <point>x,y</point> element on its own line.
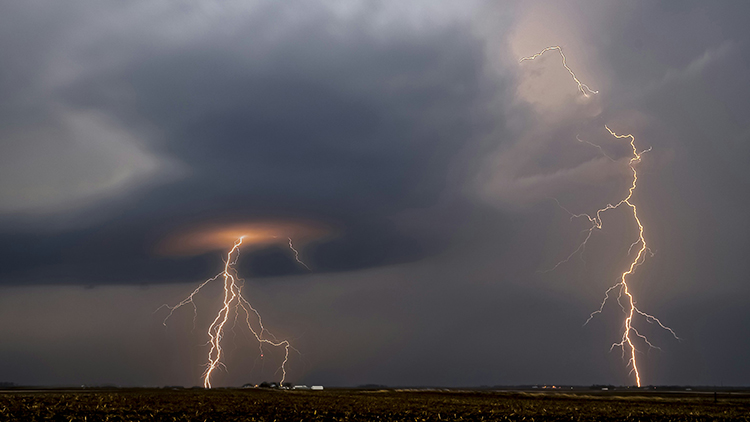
<point>416,164</point>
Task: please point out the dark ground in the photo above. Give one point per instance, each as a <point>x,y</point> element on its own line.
<point>367,405</point>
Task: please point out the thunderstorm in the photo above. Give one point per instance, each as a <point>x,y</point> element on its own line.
<point>234,303</point>
<point>625,298</point>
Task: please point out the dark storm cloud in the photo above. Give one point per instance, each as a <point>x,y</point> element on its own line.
<point>415,133</point>
<point>320,117</point>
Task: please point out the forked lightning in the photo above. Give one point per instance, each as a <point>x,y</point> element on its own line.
<point>585,90</point>
<point>234,302</point>
<point>629,333</point>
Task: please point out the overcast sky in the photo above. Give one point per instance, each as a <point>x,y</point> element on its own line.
<point>430,169</point>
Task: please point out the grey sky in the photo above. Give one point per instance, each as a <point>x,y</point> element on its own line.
<point>416,137</point>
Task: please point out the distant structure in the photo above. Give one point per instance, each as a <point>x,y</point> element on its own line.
<point>283,386</point>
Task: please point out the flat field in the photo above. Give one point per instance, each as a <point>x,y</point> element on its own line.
<point>366,405</point>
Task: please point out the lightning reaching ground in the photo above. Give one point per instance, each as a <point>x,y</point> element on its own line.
<point>234,303</point>
<point>627,342</point>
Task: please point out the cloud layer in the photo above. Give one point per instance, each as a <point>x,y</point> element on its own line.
<point>431,157</point>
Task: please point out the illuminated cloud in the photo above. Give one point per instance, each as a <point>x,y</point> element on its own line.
<point>540,158</point>
<point>215,236</point>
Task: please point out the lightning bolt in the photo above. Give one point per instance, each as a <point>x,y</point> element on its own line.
<point>296,254</point>
<point>585,90</point>
<point>599,147</point>
<point>234,302</point>
<point>629,333</point>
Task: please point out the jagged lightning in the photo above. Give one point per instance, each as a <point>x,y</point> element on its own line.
<point>296,254</point>
<point>234,302</point>
<point>629,333</point>
<point>585,90</point>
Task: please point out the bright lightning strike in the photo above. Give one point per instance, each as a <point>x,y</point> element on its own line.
<point>234,303</point>
<point>585,90</point>
<point>629,308</point>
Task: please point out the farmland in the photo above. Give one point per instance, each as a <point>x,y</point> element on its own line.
<point>366,405</point>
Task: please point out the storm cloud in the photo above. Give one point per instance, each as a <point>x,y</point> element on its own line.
<point>299,110</point>
<point>412,134</point>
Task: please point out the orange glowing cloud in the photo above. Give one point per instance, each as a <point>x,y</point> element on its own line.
<point>207,237</point>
